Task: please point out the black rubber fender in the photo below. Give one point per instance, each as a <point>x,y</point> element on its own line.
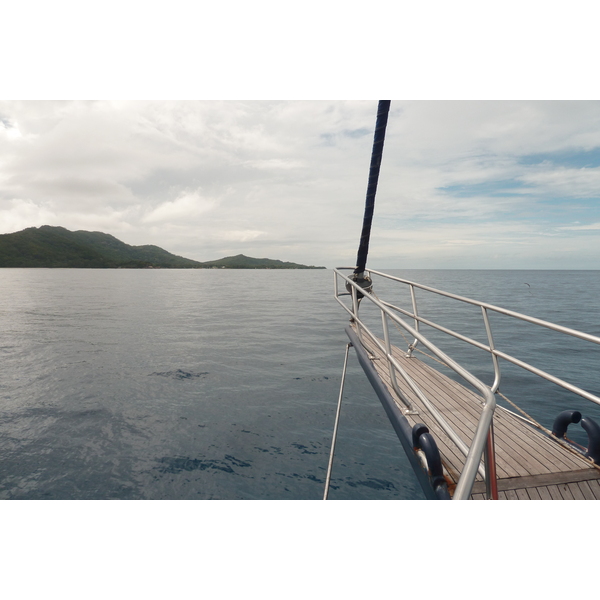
<point>563,420</point>
<point>424,441</point>
<point>417,430</point>
<point>593,431</point>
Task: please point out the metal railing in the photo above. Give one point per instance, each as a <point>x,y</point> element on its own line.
<point>482,443</point>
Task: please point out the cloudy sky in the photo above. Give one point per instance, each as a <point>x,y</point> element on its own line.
<point>464,184</point>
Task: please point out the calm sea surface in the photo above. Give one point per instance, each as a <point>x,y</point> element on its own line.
<point>222,384</point>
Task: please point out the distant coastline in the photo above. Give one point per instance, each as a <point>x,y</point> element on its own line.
<point>57,247</point>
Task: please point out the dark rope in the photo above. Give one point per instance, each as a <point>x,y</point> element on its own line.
<point>382,117</point>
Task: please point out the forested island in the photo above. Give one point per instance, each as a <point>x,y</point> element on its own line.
<point>57,247</point>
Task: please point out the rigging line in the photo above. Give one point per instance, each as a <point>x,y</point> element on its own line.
<point>335,427</point>
<point>383,110</point>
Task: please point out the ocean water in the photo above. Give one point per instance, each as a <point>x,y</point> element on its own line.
<point>223,384</point>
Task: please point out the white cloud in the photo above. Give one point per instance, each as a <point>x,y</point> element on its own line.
<point>18,213</point>
<point>288,179</point>
<point>584,182</point>
<point>186,207</point>
<point>590,227</point>
<point>491,245</point>
<point>240,236</point>
<point>273,164</point>
<point>10,130</point>
<point>464,242</point>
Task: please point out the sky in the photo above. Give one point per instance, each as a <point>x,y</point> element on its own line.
<point>463,184</point>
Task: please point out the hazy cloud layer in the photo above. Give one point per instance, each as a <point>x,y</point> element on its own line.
<point>463,184</point>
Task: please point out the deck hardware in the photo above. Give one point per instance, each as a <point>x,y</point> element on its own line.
<point>363,281</point>
<point>423,440</point>
<point>563,420</point>
<point>593,431</point>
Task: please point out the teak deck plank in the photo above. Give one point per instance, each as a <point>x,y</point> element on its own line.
<point>576,491</point>
<point>529,464</point>
<point>544,493</point>
<point>454,460</point>
<point>586,490</point>
<point>530,481</point>
<point>565,490</point>
<point>468,415</point>
<point>595,487</point>
<point>555,492</point>
<point>522,494</point>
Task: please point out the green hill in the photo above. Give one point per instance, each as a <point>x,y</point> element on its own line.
<point>57,247</point>
<point>247,262</point>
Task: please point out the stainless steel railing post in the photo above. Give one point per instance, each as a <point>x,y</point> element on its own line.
<point>391,367</point>
<point>355,305</point>
<point>491,478</point>
<point>335,426</point>
<point>413,298</point>
<point>495,362</point>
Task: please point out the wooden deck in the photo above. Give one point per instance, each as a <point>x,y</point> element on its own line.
<point>530,464</point>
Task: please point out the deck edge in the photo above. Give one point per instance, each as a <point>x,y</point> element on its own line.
<point>397,419</point>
